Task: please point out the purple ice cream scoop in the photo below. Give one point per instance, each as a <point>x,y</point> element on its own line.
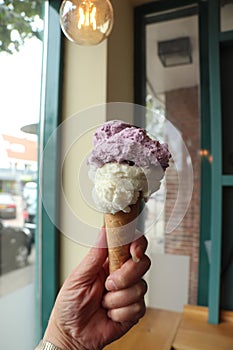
<point>117,141</point>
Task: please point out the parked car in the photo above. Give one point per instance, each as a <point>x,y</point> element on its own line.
<point>8,209</point>
<point>15,247</point>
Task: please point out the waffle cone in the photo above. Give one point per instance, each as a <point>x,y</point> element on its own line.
<point>120,230</point>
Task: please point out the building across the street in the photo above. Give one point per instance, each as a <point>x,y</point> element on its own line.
<point>18,162</point>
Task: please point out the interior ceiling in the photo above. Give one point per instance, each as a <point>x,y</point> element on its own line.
<point>164,79</point>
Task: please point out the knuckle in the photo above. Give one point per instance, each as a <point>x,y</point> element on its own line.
<point>111,301</point>
<point>140,289</point>
<point>139,309</point>
<point>107,301</point>
<point>122,281</point>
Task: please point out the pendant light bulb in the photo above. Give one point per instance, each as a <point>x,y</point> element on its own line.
<point>86,22</point>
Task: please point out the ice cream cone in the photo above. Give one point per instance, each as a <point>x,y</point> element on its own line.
<point>124,164</point>
<point>120,229</point>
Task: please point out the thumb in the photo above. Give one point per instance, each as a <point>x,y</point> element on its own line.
<point>93,262</point>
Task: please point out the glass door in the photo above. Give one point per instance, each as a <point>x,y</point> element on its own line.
<point>173,91</point>
<point>172,95</point>
<point>21,49</point>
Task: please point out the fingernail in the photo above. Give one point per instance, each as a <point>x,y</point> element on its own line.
<point>136,255</point>
<point>110,284</point>
<point>135,259</point>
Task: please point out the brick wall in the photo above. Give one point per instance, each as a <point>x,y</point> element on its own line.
<point>182,109</point>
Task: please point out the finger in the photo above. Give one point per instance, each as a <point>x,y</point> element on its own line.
<point>138,248</point>
<point>122,298</point>
<point>130,313</point>
<point>129,274</point>
<point>93,261</point>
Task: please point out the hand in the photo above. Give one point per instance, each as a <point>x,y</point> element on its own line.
<point>93,309</point>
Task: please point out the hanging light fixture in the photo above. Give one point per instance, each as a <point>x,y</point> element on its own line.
<point>175,52</point>
<point>86,22</point>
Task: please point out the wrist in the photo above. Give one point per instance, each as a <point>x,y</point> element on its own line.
<point>44,345</point>
<point>57,336</point>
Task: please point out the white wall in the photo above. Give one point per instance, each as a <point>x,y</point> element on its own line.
<point>84,86</point>
<point>120,53</point>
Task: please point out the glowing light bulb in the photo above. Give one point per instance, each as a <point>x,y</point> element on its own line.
<point>86,22</point>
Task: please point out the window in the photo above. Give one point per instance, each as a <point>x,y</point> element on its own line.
<point>21,52</point>
<point>172,93</point>
<point>213,174</point>
<point>35,115</point>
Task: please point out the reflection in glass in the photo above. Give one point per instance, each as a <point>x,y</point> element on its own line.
<point>226,15</point>
<point>226,69</point>
<point>173,94</point>
<point>20,71</point>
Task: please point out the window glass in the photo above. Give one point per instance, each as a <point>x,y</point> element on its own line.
<point>226,15</point>
<point>172,83</point>
<point>21,42</point>
<point>226,70</point>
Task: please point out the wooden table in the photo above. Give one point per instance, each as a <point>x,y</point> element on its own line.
<point>195,333</point>
<point>155,331</point>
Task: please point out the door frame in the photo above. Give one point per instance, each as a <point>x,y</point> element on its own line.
<point>147,14</point>
<point>47,238</point>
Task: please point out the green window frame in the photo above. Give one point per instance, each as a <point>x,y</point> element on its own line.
<point>219,181</point>
<point>47,240</point>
